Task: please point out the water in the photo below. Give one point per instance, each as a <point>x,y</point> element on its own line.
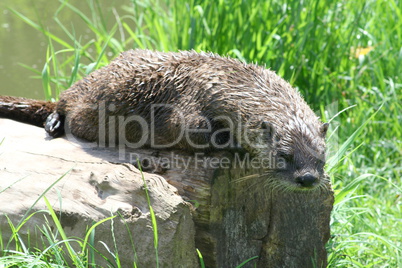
<point>20,43</point>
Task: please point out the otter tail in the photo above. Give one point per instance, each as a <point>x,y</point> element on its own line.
<point>29,111</point>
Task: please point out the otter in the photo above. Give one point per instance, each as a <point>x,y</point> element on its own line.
<point>189,101</point>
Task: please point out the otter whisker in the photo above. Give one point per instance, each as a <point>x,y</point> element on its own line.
<point>245,178</point>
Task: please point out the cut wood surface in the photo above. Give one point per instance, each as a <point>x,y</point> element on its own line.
<point>201,201</point>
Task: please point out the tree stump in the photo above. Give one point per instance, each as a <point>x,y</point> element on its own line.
<point>237,216</point>
<point>241,218</point>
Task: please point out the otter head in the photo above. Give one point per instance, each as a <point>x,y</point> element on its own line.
<point>296,153</point>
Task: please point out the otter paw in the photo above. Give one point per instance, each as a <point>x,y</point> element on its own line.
<point>54,125</point>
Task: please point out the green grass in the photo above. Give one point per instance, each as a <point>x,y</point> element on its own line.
<point>312,44</point>
<point>53,248</point>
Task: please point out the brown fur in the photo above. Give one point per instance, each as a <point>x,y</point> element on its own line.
<point>25,110</point>
<point>203,90</point>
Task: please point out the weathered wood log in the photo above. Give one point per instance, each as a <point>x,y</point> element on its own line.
<point>237,216</point>
<point>92,189</point>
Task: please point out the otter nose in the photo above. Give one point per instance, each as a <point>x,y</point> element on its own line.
<point>307,180</point>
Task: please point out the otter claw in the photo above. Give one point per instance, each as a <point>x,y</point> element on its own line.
<point>54,125</point>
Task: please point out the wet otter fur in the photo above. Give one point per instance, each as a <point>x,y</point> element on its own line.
<point>190,101</point>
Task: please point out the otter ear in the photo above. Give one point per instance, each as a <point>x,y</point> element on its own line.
<point>324,129</point>
<point>268,129</point>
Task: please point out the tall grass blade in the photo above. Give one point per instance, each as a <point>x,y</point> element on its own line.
<point>153,218</point>
<point>130,235</point>
<point>92,230</point>
<point>201,258</point>
<point>42,195</point>
<point>247,261</point>
<point>73,255</point>
<point>350,187</point>
<point>37,27</point>
<point>331,163</point>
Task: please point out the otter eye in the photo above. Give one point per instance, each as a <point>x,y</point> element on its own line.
<point>268,129</point>
<point>266,125</point>
<point>286,156</point>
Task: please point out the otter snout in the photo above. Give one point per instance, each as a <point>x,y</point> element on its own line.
<point>306,180</point>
